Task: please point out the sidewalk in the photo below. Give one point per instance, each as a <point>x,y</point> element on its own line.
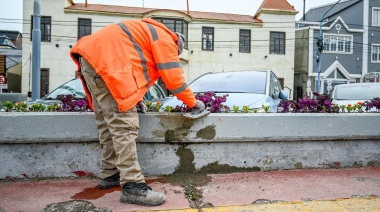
<point>353,189</point>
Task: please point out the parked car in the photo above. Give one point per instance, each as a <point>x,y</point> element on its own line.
<point>74,86</point>
<point>344,94</point>
<point>372,77</point>
<point>244,88</point>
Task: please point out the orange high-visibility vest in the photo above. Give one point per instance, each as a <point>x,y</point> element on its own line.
<point>130,56</point>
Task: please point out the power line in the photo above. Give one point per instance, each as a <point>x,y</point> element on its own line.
<point>28,21</point>
<point>58,38</point>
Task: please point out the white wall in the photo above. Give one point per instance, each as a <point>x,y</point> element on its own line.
<point>282,65</point>
<point>226,42</point>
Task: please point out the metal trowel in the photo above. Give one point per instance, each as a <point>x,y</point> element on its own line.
<point>196,113</point>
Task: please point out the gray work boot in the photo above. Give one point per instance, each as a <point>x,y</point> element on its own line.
<point>110,182</point>
<point>141,194</point>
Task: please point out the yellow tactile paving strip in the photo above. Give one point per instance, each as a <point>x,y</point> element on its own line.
<point>363,204</point>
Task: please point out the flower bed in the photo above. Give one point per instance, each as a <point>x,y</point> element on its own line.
<point>214,103</point>
<point>69,103</point>
<point>322,104</point>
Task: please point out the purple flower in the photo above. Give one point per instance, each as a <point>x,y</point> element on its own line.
<point>69,103</point>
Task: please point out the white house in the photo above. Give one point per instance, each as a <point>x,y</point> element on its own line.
<point>216,41</point>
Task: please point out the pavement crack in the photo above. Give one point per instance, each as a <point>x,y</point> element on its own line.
<point>195,195</point>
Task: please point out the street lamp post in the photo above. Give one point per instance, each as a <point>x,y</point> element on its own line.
<point>36,51</point>
<point>320,48</point>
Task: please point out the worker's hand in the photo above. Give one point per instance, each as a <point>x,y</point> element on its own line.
<point>200,105</point>
<point>142,107</point>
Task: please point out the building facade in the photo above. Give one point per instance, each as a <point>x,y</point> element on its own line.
<point>216,42</point>
<point>351,45</point>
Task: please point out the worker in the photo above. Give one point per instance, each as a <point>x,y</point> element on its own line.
<point>117,65</point>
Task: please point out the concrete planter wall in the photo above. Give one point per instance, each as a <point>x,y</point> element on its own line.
<point>60,144</point>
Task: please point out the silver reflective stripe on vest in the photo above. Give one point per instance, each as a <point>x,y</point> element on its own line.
<point>180,89</point>
<point>163,66</point>
<point>153,32</point>
<point>138,50</point>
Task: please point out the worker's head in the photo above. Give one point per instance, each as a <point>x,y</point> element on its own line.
<point>181,42</point>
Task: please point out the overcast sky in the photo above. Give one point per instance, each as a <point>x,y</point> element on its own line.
<point>11,11</point>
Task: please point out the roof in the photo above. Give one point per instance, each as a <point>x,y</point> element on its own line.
<point>13,35</point>
<point>6,42</point>
<point>142,11</point>
<point>13,56</point>
<point>275,5</point>
<point>316,13</point>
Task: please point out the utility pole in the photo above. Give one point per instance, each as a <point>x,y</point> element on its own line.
<point>320,48</point>
<point>187,2</point>
<point>36,51</point>
<point>304,3</point>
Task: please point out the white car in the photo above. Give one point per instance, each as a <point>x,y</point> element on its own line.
<point>250,88</point>
<point>74,86</point>
<point>345,94</point>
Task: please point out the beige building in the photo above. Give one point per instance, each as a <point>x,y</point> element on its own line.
<point>217,42</point>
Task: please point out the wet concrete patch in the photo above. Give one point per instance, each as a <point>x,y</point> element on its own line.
<point>207,133</point>
<point>191,179</point>
<point>176,135</point>
<point>374,163</point>
<point>186,173</point>
<point>175,128</point>
<point>216,168</point>
<point>186,169</point>
<point>186,177</point>
<point>186,162</point>
<point>298,165</point>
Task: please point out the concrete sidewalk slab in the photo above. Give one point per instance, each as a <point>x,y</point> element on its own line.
<point>33,196</point>
<point>312,189</point>
<point>321,184</point>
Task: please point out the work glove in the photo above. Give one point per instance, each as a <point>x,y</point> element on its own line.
<point>200,105</point>
<point>142,107</point>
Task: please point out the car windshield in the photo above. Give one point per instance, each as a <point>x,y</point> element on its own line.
<point>153,94</point>
<point>230,82</point>
<point>358,92</point>
<point>71,87</point>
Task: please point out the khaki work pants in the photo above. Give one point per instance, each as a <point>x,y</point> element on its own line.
<point>117,131</point>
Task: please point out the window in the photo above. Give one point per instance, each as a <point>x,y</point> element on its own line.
<point>84,27</point>
<point>375,16</point>
<point>45,28</point>
<point>337,43</point>
<point>277,43</point>
<point>245,41</point>
<point>176,25</point>
<point>375,52</point>
<point>207,38</point>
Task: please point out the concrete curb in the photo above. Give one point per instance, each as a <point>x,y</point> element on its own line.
<point>65,144</point>
<point>31,127</point>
